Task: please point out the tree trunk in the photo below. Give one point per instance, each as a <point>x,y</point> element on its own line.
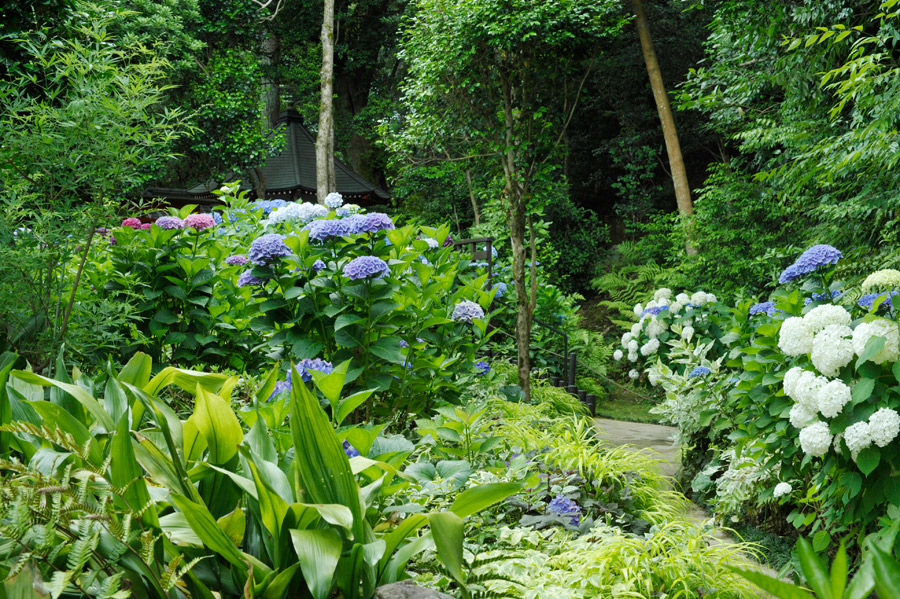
<point>517,218</point>
<point>673,147</point>
<point>472,197</point>
<point>259,182</point>
<point>271,92</point>
<point>325,136</point>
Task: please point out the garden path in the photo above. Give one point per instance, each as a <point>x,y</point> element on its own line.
<point>659,440</point>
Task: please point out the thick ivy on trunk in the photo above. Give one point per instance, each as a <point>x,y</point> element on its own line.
<point>325,176</point>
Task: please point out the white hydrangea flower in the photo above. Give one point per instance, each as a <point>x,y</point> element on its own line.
<point>832,398</point>
<point>650,347</point>
<point>698,298</point>
<point>638,309</point>
<point>821,316</point>
<point>815,439</point>
<point>656,328</point>
<point>653,377</point>
<point>663,293</point>
<point>636,329</point>
<point>352,208</point>
<point>878,328</point>
<point>687,333</point>
<point>632,356</point>
<point>651,304</point>
<point>626,339</point>
<point>795,338</point>
<point>884,426</point>
<point>618,355</point>
<point>676,307</point>
<point>857,437</point>
<point>334,200</point>
<point>806,391</point>
<point>632,346</point>
<point>882,280</point>
<point>633,374</point>
<point>782,489</point>
<point>791,377</point>
<point>662,302</point>
<point>801,416</point>
<point>711,299</point>
<point>683,298</point>
<point>837,442</point>
<point>832,348</point>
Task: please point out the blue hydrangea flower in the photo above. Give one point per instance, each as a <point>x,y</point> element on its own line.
<point>349,449</point>
<point>814,258</point>
<point>318,266</point>
<point>564,507</point>
<point>269,205</point>
<point>320,230</point>
<point>482,367</point>
<point>267,249</point>
<point>822,297</point>
<point>404,343</point>
<point>376,221</point>
<point>467,311</point>
<point>217,216</point>
<point>236,215</point>
<point>478,264</point>
<point>763,308</point>
<point>501,288</point>
<point>342,212</point>
<point>654,311</point>
<point>280,387</point>
<point>366,267</point>
<point>305,365</point>
<point>334,200</point>
<point>868,300</point>
<point>247,278</point>
<point>699,371</point>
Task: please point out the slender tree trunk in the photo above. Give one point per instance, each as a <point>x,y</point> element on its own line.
<point>673,147</point>
<point>271,92</point>
<point>517,220</point>
<point>84,255</point>
<point>325,137</point>
<point>259,182</point>
<point>472,197</point>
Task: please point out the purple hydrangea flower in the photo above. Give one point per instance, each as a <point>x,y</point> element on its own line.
<point>404,343</point>
<point>318,266</point>
<point>763,308</point>
<point>868,300</point>
<point>247,278</point>
<point>350,450</point>
<point>320,230</point>
<point>482,367</point>
<point>448,241</point>
<point>815,257</point>
<point>305,365</point>
<point>236,260</point>
<point>467,311</point>
<point>280,387</point>
<point>366,267</point>
<point>267,249</point>
<point>169,222</point>
<point>699,371</point>
<point>654,311</point>
<point>564,507</point>
<point>376,221</point>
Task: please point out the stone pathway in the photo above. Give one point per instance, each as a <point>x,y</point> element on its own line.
<point>659,439</point>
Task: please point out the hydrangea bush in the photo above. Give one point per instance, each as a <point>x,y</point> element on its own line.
<point>292,281</point>
<point>791,401</point>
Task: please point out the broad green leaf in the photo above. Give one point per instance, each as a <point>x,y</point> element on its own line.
<point>873,346</point>
<point>782,590</point>
<point>839,572</point>
<point>186,379</point>
<point>234,525</point>
<point>346,406</point>
<point>281,582</point>
<point>126,474</point>
<point>84,398</point>
<point>868,459</point>
<point>54,416</point>
<point>471,501</point>
<point>887,573</point>
<point>318,552</point>
<point>219,425</point>
<point>137,371</point>
<point>447,532</point>
<point>813,569</point>
<point>261,444</point>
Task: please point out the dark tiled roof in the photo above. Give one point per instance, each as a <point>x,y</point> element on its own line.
<point>294,169</point>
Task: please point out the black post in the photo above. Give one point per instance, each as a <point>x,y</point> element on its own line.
<point>582,396</point>
<point>572,389</point>
<point>591,403</point>
<point>554,381</point>
<point>571,373</point>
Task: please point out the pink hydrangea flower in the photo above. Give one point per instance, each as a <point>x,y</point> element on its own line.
<point>199,221</point>
<point>132,222</point>
<point>146,226</point>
